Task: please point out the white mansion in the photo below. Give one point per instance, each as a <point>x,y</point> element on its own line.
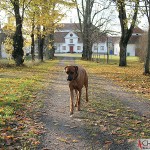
<point>68,39</point>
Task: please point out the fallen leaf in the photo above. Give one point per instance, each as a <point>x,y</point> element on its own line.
<point>62,140</point>
<point>75,141</point>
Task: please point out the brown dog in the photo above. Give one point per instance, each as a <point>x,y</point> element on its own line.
<point>77,78</point>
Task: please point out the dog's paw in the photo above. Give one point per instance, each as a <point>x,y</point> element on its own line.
<point>71,113</point>
<point>71,116</point>
<point>78,109</point>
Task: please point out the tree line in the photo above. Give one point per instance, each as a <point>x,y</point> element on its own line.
<point>38,17</point>
<point>128,11</point>
<point>43,17</point>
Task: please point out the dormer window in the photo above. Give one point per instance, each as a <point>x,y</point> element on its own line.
<point>71,34</point>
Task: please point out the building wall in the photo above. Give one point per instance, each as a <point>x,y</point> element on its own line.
<point>65,48</point>
<point>130,49</point>
<point>99,47</point>
<point>72,40</point>
<point>116,49</point>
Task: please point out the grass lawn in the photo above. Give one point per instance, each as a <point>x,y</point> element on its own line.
<point>18,89</point>
<point>131,76</point>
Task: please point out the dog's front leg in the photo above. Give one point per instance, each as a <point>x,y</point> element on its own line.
<point>71,101</point>
<point>79,99</point>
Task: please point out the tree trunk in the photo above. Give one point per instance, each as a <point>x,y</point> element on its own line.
<point>32,41</point>
<point>18,52</point>
<point>123,51</point>
<point>32,47</point>
<point>126,32</point>
<point>84,55</point>
<point>40,48</point>
<point>0,50</point>
<point>41,39</point>
<point>87,48</point>
<point>147,62</point>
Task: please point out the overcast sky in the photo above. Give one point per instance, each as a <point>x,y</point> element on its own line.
<point>72,17</point>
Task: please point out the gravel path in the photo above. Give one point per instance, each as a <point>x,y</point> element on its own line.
<point>71,133</point>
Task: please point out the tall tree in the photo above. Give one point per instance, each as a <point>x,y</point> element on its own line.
<point>92,19</point>
<point>147,13</point>
<point>46,15</point>
<point>127,22</point>
<point>17,7</point>
<point>18,38</point>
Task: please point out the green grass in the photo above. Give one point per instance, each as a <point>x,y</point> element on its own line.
<point>18,88</point>
<point>19,85</point>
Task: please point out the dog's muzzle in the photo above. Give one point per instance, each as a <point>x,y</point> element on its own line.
<point>69,78</point>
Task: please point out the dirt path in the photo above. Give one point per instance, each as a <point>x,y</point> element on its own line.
<point>72,133</point>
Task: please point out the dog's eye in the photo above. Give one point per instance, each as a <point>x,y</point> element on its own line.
<point>67,72</point>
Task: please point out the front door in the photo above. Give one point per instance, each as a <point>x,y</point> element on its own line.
<point>71,49</point>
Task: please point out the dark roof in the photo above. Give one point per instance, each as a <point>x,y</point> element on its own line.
<point>138,30</point>
<point>75,27</point>
<point>59,37</point>
<point>115,39</point>
<point>102,38</point>
<point>134,38</point>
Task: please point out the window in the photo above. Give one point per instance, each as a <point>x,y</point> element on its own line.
<point>102,48</point>
<point>71,40</point>
<point>64,47</point>
<point>78,47</point>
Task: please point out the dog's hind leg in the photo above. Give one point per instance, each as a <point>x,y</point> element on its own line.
<point>86,86</point>
<point>86,94</point>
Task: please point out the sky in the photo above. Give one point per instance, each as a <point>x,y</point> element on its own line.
<point>72,17</point>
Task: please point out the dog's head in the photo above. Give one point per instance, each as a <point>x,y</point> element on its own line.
<point>72,72</point>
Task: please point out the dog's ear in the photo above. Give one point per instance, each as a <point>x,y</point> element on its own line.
<point>76,68</point>
<point>65,68</point>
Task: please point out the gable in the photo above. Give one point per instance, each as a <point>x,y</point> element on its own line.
<point>59,37</point>
<point>71,35</point>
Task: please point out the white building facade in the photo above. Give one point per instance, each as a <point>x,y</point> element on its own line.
<point>68,40</point>
<point>132,44</point>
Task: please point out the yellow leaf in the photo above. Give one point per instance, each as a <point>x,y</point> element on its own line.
<point>75,141</point>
